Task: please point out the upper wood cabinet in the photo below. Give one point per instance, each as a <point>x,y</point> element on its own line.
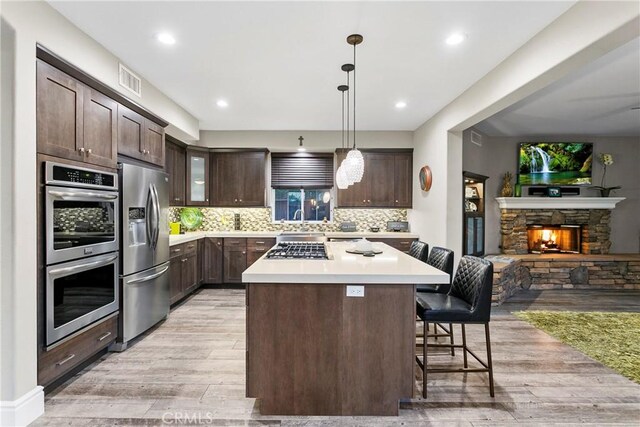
<point>197,177</point>
<point>238,178</point>
<point>73,120</point>
<point>175,166</point>
<point>140,138</point>
<point>386,183</point>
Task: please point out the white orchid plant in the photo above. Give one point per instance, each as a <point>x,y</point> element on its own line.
<point>605,160</point>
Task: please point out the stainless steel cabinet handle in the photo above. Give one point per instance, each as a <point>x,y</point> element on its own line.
<point>259,243</point>
<point>368,201</point>
<point>397,201</point>
<point>81,150</point>
<point>184,260</point>
<point>65,360</point>
<point>241,200</point>
<point>76,194</point>
<point>104,337</point>
<point>219,244</point>
<point>244,252</point>
<point>235,200</point>
<point>89,151</point>
<point>176,250</point>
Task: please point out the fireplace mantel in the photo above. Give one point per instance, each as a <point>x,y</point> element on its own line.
<point>558,203</point>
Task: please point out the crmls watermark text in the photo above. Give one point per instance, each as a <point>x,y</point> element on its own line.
<point>187,418</point>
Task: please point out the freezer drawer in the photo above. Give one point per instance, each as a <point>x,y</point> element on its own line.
<point>145,301</point>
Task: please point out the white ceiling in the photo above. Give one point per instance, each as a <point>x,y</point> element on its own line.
<point>595,100</point>
<point>278,63</point>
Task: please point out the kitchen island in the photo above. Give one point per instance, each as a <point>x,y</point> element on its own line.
<point>313,350</point>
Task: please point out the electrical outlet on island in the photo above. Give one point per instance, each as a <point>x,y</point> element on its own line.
<point>355,291</point>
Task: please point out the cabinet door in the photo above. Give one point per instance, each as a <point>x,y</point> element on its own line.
<point>235,262</point>
<point>175,167</point>
<point>100,129</point>
<point>190,273</point>
<point>59,105</point>
<point>153,143</point>
<point>226,177</point>
<point>197,178</point>
<point>175,279</point>
<point>251,179</point>
<point>356,195</point>
<point>200,267</point>
<point>253,254</point>
<point>379,174</point>
<point>212,260</point>
<point>131,127</point>
<point>403,180</point>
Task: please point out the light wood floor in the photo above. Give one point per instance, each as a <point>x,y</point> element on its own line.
<point>193,366</point>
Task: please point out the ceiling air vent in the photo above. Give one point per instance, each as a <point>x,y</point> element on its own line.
<point>476,138</point>
<point>130,81</point>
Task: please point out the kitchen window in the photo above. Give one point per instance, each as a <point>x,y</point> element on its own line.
<point>296,205</point>
<point>302,184</point>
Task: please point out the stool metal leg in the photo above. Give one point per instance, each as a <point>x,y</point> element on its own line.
<point>453,349</point>
<point>464,346</point>
<point>489,361</point>
<point>424,363</point>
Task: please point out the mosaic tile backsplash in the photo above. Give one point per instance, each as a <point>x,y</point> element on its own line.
<point>260,219</point>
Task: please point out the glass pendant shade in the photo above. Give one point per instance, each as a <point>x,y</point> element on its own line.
<point>354,165</point>
<point>341,179</point>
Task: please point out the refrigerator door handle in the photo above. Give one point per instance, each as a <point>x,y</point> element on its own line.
<point>156,204</point>
<point>149,207</point>
<point>149,277</point>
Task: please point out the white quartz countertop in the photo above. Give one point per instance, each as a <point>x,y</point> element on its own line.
<point>176,239</point>
<point>391,266</point>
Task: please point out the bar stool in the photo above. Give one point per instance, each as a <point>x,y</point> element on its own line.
<point>419,250</point>
<point>442,259</point>
<point>467,302</point>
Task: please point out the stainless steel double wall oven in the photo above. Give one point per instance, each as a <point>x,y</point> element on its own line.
<point>81,241</point>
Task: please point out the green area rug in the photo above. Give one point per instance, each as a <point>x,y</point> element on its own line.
<point>610,338</point>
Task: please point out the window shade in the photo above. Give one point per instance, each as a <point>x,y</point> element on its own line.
<point>302,170</point>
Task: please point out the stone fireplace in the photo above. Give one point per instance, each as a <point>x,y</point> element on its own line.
<point>559,239</point>
<point>581,222</point>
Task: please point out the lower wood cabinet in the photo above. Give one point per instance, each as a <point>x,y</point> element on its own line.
<point>212,260</point>
<point>235,260</point>
<point>258,247</point>
<point>183,270</point>
<point>62,358</point>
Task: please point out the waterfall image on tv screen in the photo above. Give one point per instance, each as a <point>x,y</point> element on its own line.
<point>557,163</point>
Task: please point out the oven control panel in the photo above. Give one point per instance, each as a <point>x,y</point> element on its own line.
<point>60,174</point>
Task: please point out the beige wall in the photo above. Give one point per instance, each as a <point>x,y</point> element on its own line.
<point>565,45</point>
<point>498,155</point>
<point>313,140</point>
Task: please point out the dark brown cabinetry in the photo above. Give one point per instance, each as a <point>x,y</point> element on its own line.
<point>183,270</point>
<point>235,259</point>
<point>258,247</point>
<point>238,178</point>
<point>473,213</point>
<point>197,177</point>
<point>139,138</point>
<point>399,243</point>
<point>175,166</point>
<point>212,260</point>
<point>62,358</point>
<point>386,183</point>
<point>74,121</point>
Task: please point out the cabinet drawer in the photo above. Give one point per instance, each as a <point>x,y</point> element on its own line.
<point>176,250</point>
<point>234,242</point>
<point>398,243</point>
<point>190,248</point>
<point>261,243</point>
<point>61,359</point>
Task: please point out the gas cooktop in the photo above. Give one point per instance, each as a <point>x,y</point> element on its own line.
<point>298,250</point>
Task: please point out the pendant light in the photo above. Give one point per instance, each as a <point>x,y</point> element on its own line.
<point>354,163</point>
<point>341,177</point>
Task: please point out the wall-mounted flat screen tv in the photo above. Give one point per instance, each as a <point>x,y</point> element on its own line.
<point>555,163</point>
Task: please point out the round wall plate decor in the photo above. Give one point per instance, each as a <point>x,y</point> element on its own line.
<point>425,178</point>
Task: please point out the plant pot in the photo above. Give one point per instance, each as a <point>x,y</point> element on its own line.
<point>604,192</point>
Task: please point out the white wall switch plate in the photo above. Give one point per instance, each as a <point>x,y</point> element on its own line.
<point>355,291</point>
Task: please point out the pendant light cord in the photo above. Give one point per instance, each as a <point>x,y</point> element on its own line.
<point>354,95</point>
<point>343,119</point>
<point>348,90</point>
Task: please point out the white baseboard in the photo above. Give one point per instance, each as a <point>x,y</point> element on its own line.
<point>22,411</point>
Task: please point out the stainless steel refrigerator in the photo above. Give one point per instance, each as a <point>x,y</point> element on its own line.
<point>144,280</point>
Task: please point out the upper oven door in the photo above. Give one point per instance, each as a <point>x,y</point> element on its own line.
<point>80,223</point>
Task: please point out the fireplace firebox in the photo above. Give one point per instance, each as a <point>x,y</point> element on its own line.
<point>554,239</point>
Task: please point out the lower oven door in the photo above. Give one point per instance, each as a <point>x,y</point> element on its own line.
<point>80,292</point>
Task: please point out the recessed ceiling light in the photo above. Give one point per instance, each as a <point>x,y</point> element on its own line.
<point>401,104</point>
<point>222,103</point>
<point>166,38</point>
<point>455,38</point>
